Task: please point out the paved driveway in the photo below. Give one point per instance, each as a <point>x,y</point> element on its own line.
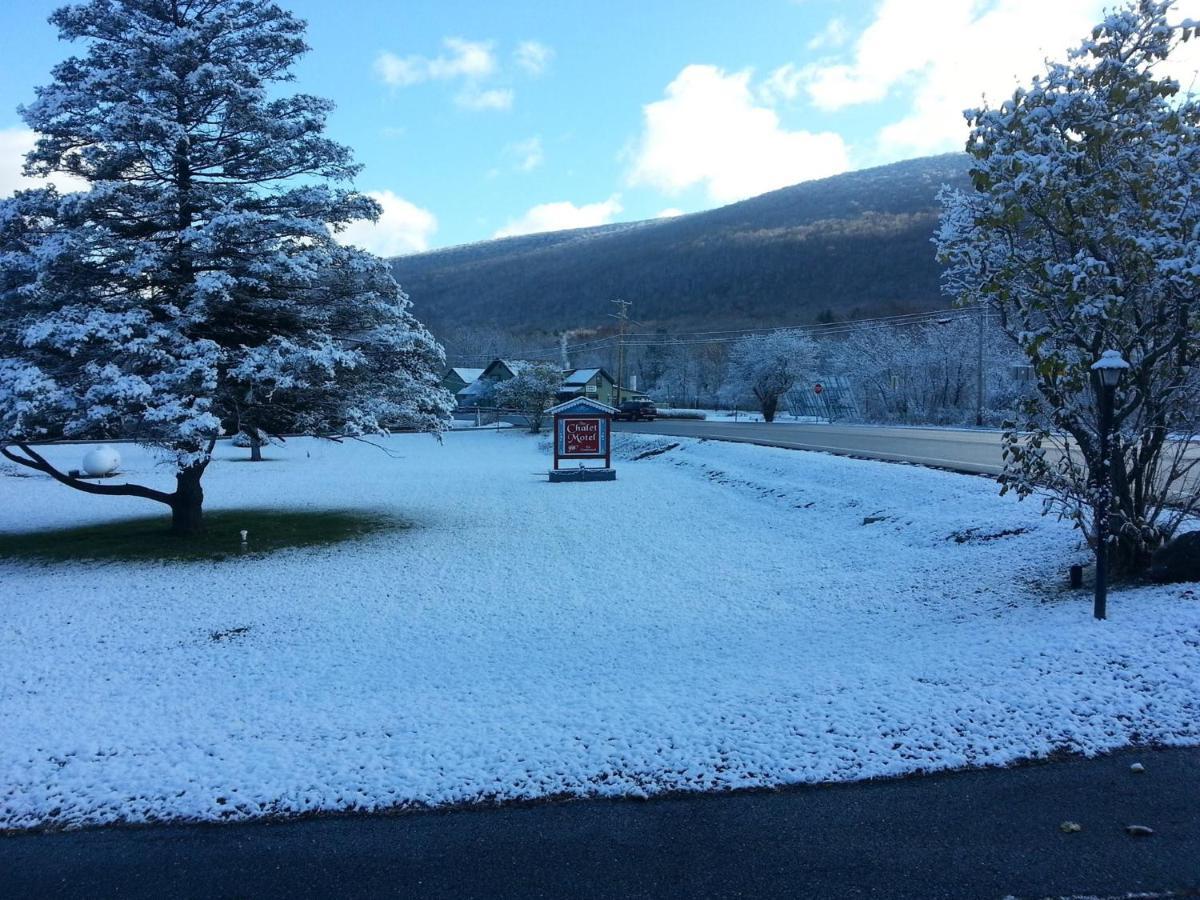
<point>986,834</point>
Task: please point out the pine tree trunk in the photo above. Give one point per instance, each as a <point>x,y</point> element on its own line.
<point>187,502</point>
<point>255,447</point>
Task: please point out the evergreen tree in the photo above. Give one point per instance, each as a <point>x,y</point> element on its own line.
<point>197,285</point>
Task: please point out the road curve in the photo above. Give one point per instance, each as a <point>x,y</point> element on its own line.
<point>976,452</point>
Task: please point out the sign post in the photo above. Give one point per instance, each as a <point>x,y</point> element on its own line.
<point>819,389</point>
<point>582,431</point>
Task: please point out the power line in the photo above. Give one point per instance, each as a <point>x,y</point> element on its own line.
<point>827,330</point>
<point>692,338</point>
<point>900,318</point>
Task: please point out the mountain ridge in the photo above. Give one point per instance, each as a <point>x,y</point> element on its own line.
<point>847,246</point>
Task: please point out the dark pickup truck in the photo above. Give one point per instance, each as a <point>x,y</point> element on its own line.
<point>636,411</point>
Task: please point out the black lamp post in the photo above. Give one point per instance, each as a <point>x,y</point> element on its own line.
<point>1109,368</point>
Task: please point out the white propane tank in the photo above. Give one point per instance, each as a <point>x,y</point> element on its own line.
<point>101,462</point>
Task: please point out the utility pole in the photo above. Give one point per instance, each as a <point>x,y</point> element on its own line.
<point>622,318</point>
<point>979,365</point>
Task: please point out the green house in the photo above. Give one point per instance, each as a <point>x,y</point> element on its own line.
<point>594,384</point>
<point>480,388</point>
<point>457,378</point>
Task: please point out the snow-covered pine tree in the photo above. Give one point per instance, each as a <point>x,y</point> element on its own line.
<point>196,286</point>
<point>1083,232</point>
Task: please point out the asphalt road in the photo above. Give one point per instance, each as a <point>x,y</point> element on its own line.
<point>984,833</point>
<point>976,452</point>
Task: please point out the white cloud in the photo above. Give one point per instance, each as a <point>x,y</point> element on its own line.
<point>527,154</point>
<point>785,83</point>
<point>834,34</point>
<point>709,130</point>
<point>669,213</point>
<point>471,63</point>
<point>534,57</point>
<point>464,59</point>
<point>564,214</point>
<point>473,97</point>
<point>403,228</point>
<point>947,59</point>
<point>14,144</point>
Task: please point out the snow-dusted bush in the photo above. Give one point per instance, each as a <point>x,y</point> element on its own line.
<point>669,413</point>
<point>254,439</point>
<point>245,439</point>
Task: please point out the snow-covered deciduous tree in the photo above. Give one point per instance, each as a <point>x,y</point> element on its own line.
<point>1083,233</point>
<point>530,392</point>
<point>688,375</point>
<point>475,345</point>
<point>769,365</point>
<point>927,373</point>
<point>197,285</point>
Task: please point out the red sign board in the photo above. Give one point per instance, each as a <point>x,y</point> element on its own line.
<point>582,436</point>
<point>583,430</point>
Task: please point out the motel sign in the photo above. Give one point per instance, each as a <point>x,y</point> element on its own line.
<point>582,431</point>
<point>583,438</point>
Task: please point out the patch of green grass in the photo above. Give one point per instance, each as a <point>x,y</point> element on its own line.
<point>150,538</point>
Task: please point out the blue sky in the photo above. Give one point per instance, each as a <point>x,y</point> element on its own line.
<point>476,119</point>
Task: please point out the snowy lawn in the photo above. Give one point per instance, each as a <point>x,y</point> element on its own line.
<point>722,616</point>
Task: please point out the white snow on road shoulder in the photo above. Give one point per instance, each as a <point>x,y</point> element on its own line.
<point>721,616</point>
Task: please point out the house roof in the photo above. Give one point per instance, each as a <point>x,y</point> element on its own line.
<point>476,387</point>
<point>581,405</point>
<point>467,375</point>
<point>583,376</point>
<point>516,366</point>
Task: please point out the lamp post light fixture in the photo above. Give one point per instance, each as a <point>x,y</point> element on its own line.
<point>1108,368</point>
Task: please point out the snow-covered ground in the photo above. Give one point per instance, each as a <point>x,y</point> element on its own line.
<point>721,616</point>
<point>742,415</point>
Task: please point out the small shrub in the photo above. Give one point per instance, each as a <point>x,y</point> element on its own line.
<point>1178,561</point>
<point>669,413</point>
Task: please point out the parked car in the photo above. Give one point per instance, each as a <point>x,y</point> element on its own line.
<point>636,411</point>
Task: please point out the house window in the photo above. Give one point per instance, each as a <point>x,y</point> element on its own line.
<point>591,388</point>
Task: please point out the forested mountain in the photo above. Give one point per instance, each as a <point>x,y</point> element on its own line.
<point>853,245</point>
